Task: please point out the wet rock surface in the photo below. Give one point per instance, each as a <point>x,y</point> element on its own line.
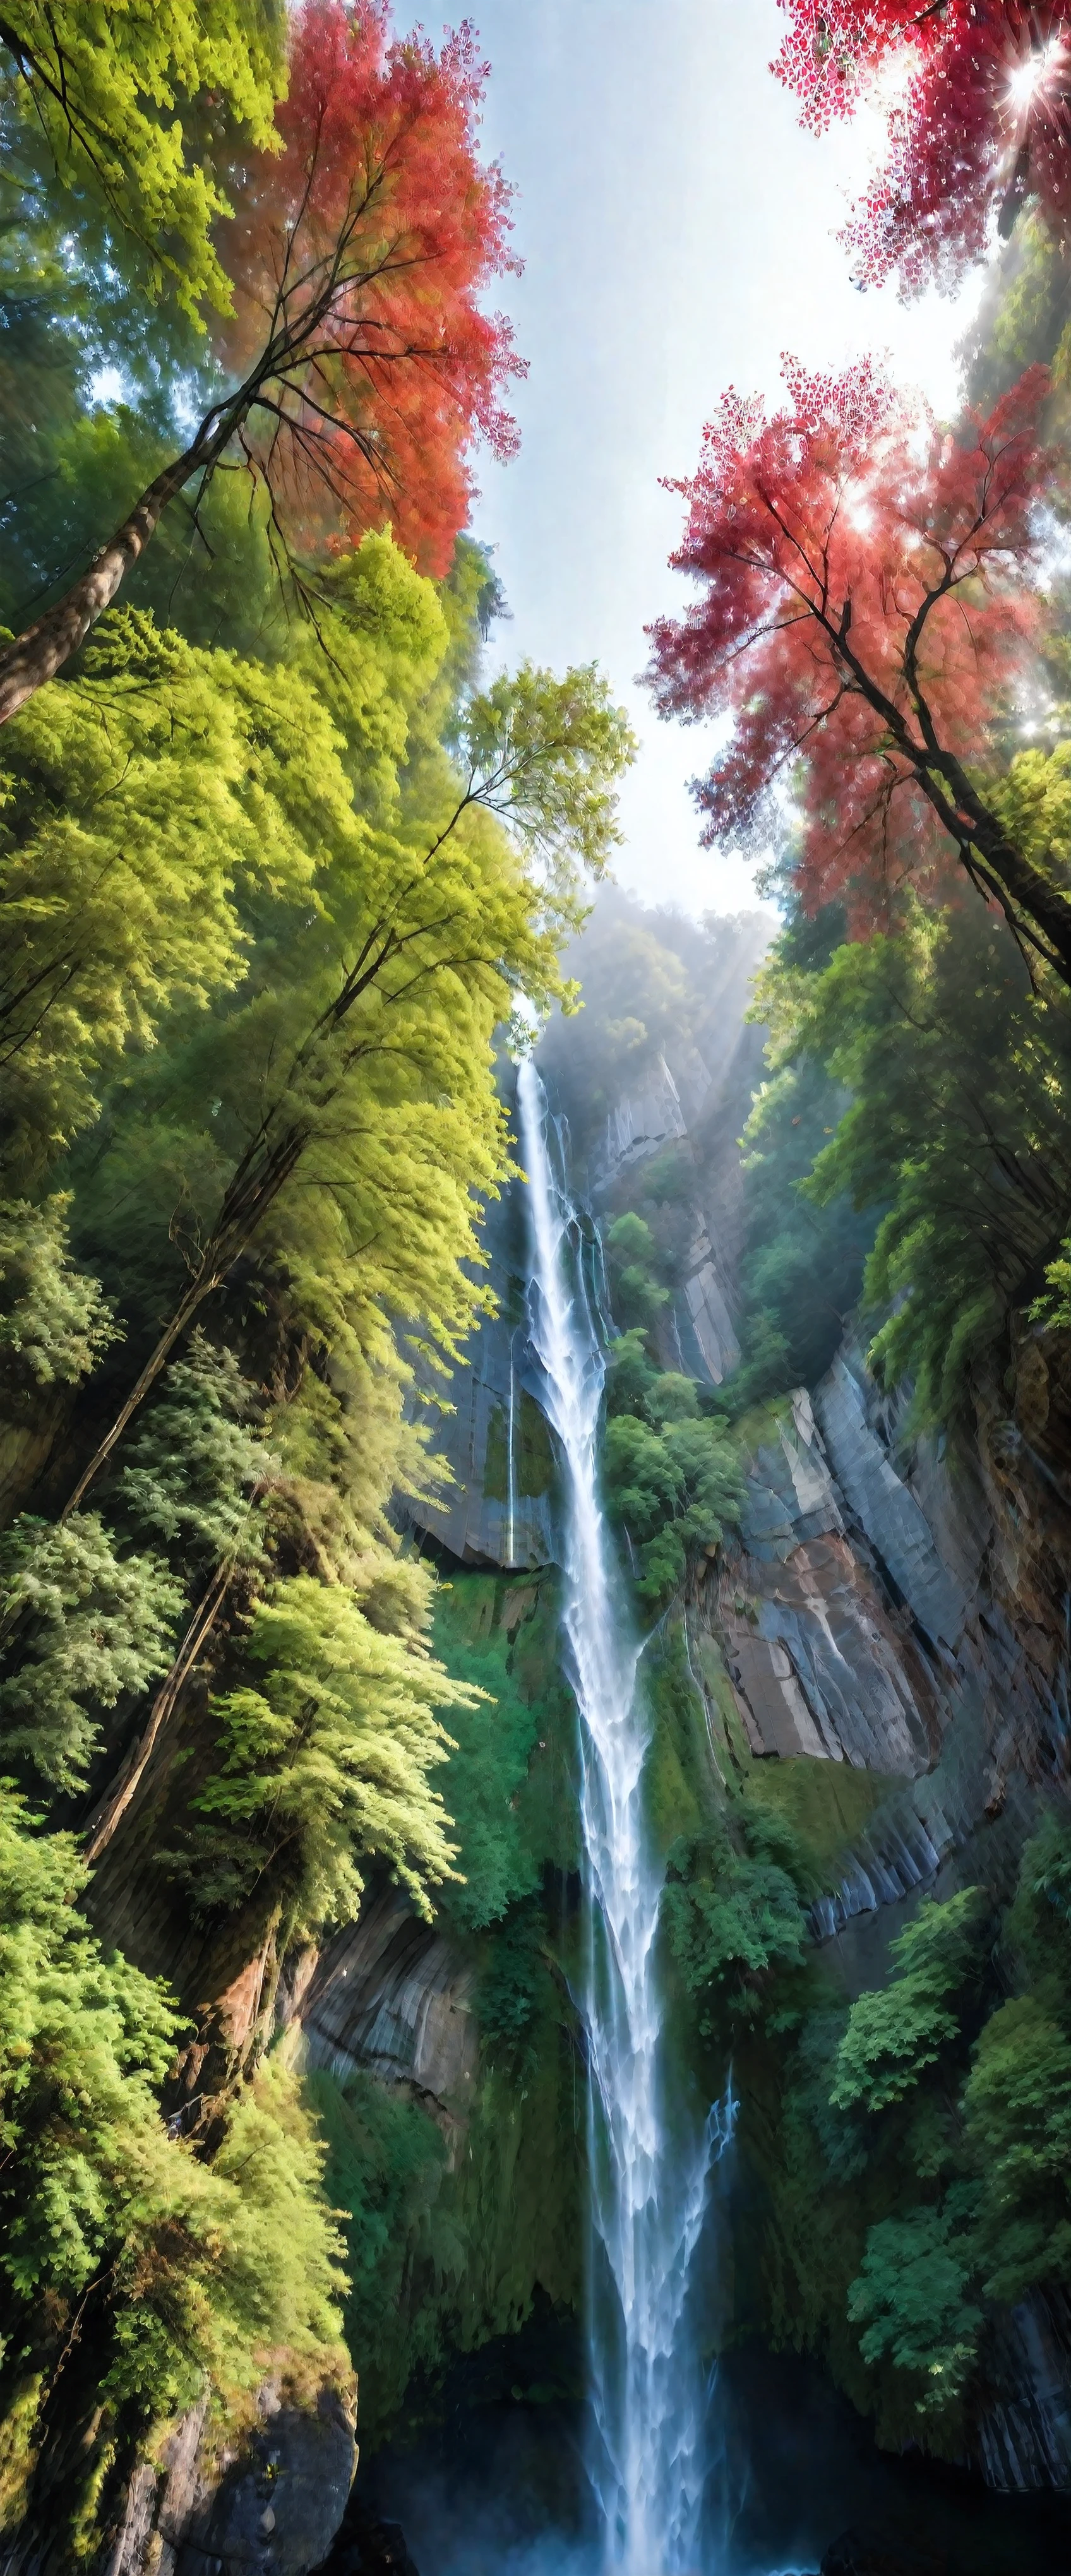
<point>268,2504</point>
<point>368,2546</point>
<point>391,1995</point>
<point>850,2556</point>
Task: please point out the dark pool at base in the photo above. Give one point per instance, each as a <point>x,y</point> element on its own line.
<point>491,2481</point>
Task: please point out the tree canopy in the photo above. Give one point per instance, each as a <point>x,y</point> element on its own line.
<point>140,105</point>
<point>975,97</point>
<point>358,365</point>
<point>868,598</point>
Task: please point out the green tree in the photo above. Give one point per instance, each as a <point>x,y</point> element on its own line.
<point>363,1073</point>
<point>54,1321</point>
<point>896,2032</point>
<point>191,1473</point>
<point>676,1490</point>
<point>145,805</point>
<point>632,1260</point>
<point>912,2297</point>
<point>734,1908</point>
<point>325,1763</point>
<point>957,1132</point>
<point>174,2272</point>
<point>1018,2116</point>
<point>84,1628</point>
<point>132,99</point>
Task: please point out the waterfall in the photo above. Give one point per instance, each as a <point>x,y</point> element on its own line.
<point>648,2167</point>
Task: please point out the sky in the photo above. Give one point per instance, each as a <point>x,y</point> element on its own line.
<point>678,234</point>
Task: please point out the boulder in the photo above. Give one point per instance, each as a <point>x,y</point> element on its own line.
<point>266,2504</point>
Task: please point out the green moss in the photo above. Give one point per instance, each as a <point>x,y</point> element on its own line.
<point>534,1462</point>
<point>453,2227</point>
<point>680,1790</point>
<point>496,1456</point>
<point>533,1454</point>
<point>827,1804</point>
<point>510,1785</point>
<point>760,1427</point>
<point>450,2235</point>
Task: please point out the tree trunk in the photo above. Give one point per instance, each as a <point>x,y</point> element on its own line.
<point>110,1809</point>
<point>1030,891</point>
<point>976,831</point>
<point>37,655</point>
<point>245,1202</point>
<point>199,1289</point>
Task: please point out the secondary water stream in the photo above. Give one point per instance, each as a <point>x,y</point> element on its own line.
<point>648,2172</point>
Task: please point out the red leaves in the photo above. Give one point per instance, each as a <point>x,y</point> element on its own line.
<point>978,116</point>
<point>864,608</point>
<point>364,249</point>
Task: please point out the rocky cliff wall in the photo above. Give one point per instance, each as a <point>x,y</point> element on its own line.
<point>903,1612</point>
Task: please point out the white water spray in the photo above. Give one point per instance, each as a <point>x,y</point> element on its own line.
<point>648,2171</point>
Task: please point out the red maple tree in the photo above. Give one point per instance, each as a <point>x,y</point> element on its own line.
<point>977,97</point>
<point>360,366</point>
<point>364,249</point>
<point>867,601</point>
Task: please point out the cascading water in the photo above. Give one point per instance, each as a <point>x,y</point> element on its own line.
<point>648,2172</point>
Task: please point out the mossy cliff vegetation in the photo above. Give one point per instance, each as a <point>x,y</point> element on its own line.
<point>463,2204</point>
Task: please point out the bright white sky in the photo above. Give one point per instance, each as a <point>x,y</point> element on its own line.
<point>678,233</point>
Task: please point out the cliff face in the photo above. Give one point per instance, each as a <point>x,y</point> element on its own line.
<point>883,1651</point>
<point>888,1637</point>
<point>497,1506</point>
<point>895,1610</point>
<point>870,1618</point>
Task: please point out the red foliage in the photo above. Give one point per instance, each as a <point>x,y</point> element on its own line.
<point>864,607</point>
<point>364,248</point>
<point>979,118</point>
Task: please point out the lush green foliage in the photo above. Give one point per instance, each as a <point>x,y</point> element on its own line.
<point>105,84</point>
<point>672,1478</point>
<point>956,1131</point>
<point>920,2147</point>
<point>803,1262</point>
<point>734,1911</point>
<point>326,1761</point>
<point>85,1627</point>
<point>892,2035</point>
<point>1018,2109</point>
<point>494,1731</point>
<point>54,1322</point>
<point>142,802</point>
<point>911,2298</point>
<point>185,2267</point>
<point>193,1468</point>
